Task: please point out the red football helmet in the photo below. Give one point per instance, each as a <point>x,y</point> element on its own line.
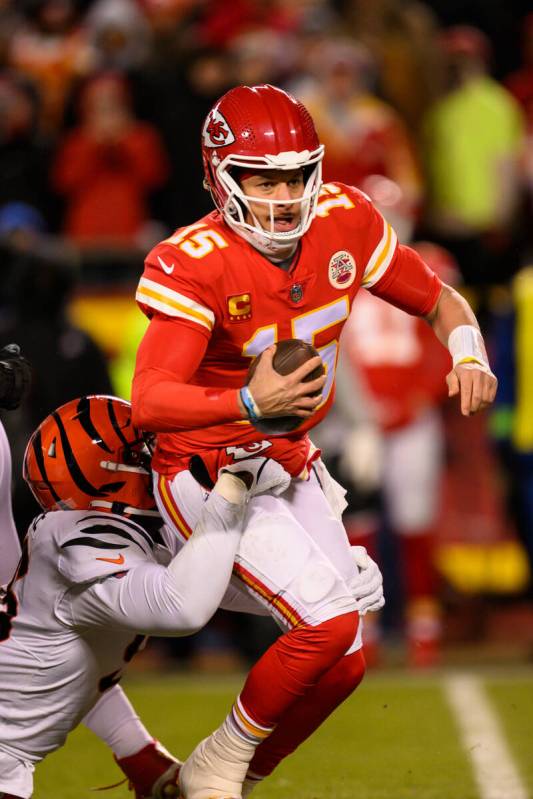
<point>257,128</point>
<point>88,454</point>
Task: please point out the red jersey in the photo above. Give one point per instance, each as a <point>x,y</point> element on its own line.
<point>209,277</point>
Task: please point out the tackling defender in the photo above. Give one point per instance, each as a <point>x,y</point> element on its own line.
<point>281,257</point>
<point>98,573</point>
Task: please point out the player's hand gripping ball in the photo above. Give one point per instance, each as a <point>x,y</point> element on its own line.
<point>290,354</point>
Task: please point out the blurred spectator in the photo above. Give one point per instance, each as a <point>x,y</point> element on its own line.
<point>24,153</point>
<point>119,36</point>
<point>261,56</point>
<point>51,49</point>
<point>401,34</point>
<point>39,274</point>
<point>473,140</point>
<point>520,84</point>
<point>10,20</point>
<point>166,13</point>
<point>176,92</point>
<point>512,418</point>
<point>362,134</point>
<point>108,166</point>
<point>396,364</point>
<point>221,22</point>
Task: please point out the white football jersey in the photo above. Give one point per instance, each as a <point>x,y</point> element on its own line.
<point>53,669</point>
<point>9,540</point>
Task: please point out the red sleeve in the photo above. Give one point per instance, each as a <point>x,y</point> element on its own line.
<point>409,283</point>
<point>162,399</point>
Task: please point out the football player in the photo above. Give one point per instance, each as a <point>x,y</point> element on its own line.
<point>97,574</point>
<point>15,378</point>
<point>282,256</point>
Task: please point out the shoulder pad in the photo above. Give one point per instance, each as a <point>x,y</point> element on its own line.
<point>173,286</point>
<point>95,545</point>
<point>192,247</point>
<point>335,199</point>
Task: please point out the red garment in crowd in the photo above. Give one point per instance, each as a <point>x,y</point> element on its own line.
<point>520,84</point>
<point>107,184</point>
<point>362,137</point>
<point>223,22</point>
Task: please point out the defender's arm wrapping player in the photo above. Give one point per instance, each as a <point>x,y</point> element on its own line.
<point>281,257</point>
<point>98,573</point>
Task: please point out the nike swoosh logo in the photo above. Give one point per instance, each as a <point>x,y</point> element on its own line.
<point>119,561</point>
<point>164,267</point>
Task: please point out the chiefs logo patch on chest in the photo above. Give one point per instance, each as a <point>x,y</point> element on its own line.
<point>240,307</point>
<point>342,269</point>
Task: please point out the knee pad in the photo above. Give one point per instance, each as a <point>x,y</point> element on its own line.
<point>285,569</point>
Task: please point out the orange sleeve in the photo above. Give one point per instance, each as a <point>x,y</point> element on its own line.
<point>409,283</point>
<point>162,399</point>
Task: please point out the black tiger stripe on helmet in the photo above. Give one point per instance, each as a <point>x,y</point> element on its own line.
<point>70,456</point>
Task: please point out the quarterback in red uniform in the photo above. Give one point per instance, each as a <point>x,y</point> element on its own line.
<point>281,257</point>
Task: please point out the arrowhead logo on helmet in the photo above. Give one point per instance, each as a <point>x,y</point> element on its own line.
<point>217,132</point>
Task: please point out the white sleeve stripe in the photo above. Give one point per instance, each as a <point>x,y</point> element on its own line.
<point>381,244</point>
<point>170,294</point>
<point>173,304</point>
<point>381,257</point>
<point>171,310</point>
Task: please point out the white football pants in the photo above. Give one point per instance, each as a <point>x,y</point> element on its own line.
<point>294,556</point>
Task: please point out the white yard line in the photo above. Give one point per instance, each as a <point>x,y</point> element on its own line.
<point>494,769</point>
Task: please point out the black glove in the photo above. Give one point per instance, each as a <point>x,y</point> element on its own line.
<point>15,377</point>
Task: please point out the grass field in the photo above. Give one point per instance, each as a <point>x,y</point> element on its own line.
<point>396,738</point>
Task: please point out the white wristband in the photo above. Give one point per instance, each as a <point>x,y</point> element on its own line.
<point>466,346</point>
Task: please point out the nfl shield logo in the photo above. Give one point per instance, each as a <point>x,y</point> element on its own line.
<point>296,292</point>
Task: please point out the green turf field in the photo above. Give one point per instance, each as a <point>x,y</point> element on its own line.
<point>396,738</point>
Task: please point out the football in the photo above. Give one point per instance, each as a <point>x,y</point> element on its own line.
<point>290,354</point>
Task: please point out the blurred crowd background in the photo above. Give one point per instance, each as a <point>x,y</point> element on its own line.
<point>426,106</point>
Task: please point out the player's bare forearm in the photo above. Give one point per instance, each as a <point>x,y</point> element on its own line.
<point>456,326</point>
<point>450,311</point>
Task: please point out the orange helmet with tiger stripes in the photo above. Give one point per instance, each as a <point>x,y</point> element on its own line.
<point>87,454</point>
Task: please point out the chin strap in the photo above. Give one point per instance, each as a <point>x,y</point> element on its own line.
<point>270,249</point>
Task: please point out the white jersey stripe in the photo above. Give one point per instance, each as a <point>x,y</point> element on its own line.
<point>381,257</point>
<point>176,296</point>
<point>172,303</point>
<point>151,302</point>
